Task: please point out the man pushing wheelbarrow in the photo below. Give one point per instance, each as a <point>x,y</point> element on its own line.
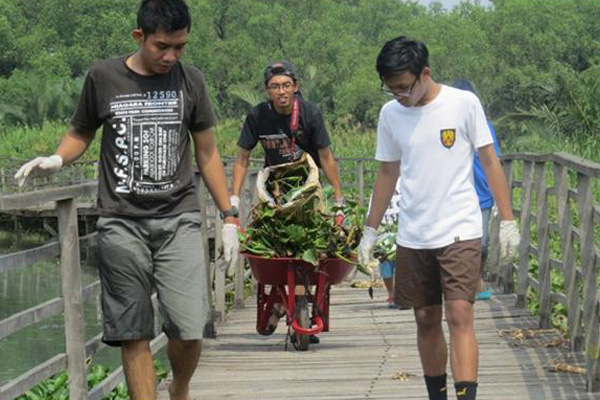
<point>297,247</point>
<point>287,128</point>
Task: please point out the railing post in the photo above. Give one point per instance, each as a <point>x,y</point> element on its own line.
<point>543,238</point>
<point>360,175</point>
<point>73,302</point>
<point>590,281</point>
<point>248,191</point>
<point>209,328</point>
<point>219,278</point>
<point>561,190</point>
<point>527,183</point>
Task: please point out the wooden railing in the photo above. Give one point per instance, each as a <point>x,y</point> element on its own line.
<point>555,197</point>
<point>74,295</point>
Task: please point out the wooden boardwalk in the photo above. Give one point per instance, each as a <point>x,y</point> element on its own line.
<point>370,353</point>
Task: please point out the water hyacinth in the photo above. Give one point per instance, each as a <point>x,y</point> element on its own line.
<point>306,233</point>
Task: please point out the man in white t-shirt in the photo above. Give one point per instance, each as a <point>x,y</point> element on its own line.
<point>429,134</point>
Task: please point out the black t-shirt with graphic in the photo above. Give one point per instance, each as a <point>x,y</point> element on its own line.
<point>145,157</point>
<point>273,131</point>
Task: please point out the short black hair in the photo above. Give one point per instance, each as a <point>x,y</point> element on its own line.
<point>168,15</point>
<point>402,54</point>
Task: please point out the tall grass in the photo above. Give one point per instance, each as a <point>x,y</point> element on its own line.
<point>23,142</point>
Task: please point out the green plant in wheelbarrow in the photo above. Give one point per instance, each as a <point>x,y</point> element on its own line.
<point>292,218</point>
<point>309,234</point>
<point>385,249</point>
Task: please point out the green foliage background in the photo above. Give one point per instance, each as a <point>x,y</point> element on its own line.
<point>535,62</point>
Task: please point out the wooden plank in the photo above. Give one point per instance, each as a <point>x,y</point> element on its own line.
<point>578,164</point>
<point>23,383</point>
<point>209,328</point>
<point>39,197</point>
<point>506,277</point>
<point>219,276</point>
<point>30,316</point>
<point>525,233</point>
<point>38,313</point>
<point>72,295</point>
<point>360,175</point>
<point>590,282</point>
<point>38,254</point>
<point>28,257</point>
<point>543,239</point>
<point>367,346</point>
<point>568,253</point>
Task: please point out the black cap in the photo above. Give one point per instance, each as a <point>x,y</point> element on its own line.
<point>279,68</point>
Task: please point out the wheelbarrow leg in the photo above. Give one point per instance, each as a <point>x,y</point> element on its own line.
<point>291,298</point>
<point>264,306</point>
<point>322,301</point>
<point>261,300</point>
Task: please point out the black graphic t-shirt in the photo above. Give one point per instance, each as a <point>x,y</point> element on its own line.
<point>145,157</point>
<point>264,124</point>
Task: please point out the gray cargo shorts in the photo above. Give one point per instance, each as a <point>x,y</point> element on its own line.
<point>140,255</point>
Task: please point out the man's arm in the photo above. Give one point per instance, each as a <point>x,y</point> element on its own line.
<point>210,165</point>
<point>329,166</point>
<point>74,144</point>
<point>240,168</point>
<point>496,180</point>
<point>383,190</point>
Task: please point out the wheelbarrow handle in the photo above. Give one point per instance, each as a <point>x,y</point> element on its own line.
<point>318,328</point>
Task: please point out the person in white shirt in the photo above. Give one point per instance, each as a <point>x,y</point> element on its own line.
<point>428,134</point>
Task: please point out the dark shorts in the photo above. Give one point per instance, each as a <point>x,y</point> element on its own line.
<point>140,255</point>
<point>423,276</point>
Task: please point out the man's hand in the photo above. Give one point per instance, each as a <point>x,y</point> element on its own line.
<point>366,245</point>
<point>509,241</point>
<point>231,243</point>
<point>41,166</point>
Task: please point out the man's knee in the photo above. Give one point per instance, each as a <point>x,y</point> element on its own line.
<point>185,346</point>
<point>459,314</point>
<point>428,318</point>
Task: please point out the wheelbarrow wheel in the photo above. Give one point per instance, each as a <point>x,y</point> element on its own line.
<point>302,340</point>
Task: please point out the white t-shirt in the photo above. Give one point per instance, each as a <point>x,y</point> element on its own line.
<point>435,145</point>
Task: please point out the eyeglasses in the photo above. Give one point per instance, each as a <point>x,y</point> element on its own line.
<point>275,87</point>
<point>399,93</point>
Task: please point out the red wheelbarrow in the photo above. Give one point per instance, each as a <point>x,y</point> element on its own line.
<point>307,314</point>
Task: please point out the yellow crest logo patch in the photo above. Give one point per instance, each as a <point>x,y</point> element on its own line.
<point>448,137</point>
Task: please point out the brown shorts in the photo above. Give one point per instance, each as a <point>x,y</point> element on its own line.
<point>423,275</point>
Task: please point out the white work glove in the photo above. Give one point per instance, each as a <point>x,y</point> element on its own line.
<point>235,201</point>
<point>509,241</point>
<point>366,246</point>
<point>231,243</point>
<point>41,166</point>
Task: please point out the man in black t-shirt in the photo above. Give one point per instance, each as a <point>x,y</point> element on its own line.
<point>150,105</point>
<point>286,126</point>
